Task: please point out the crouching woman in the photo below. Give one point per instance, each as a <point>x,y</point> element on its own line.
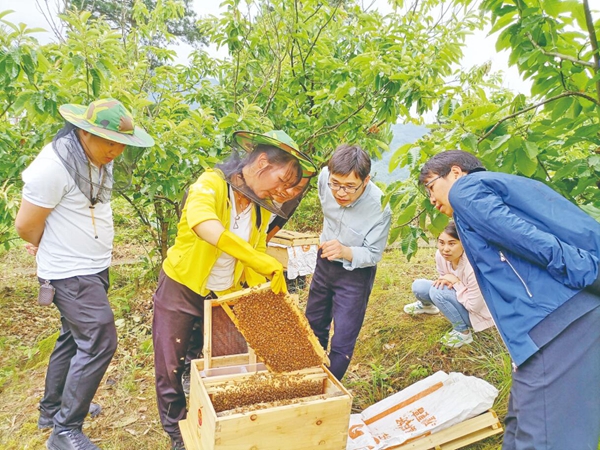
<point>455,293</point>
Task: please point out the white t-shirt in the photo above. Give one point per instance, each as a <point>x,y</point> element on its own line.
<point>68,247</point>
<point>222,273</point>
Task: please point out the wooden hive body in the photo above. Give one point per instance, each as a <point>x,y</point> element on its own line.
<point>318,421</point>
<point>286,238</point>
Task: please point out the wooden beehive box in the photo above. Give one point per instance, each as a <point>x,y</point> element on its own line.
<point>457,436</point>
<point>318,419</point>
<point>285,239</point>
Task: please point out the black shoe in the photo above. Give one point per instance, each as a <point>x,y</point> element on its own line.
<point>70,440</point>
<point>47,421</point>
<point>177,443</point>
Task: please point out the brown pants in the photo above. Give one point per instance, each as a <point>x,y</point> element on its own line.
<point>176,308</point>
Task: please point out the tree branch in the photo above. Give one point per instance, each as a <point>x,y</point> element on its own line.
<point>49,17</point>
<point>140,213</point>
<point>319,33</point>
<point>326,129</point>
<point>593,41</point>
<point>542,165</point>
<point>279,56</point>
<point>558,55</point>
<point>7,108</point>
<point>529,108</point>
<point>314,13</point>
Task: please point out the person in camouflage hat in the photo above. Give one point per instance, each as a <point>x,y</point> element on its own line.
<point>108,119</point>
<point>66,219</point>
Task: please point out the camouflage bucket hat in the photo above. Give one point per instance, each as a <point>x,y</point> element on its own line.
<point>248,140</point>
<point>108,119</point>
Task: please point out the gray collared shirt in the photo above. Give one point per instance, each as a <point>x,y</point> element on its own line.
<point>363,225</point>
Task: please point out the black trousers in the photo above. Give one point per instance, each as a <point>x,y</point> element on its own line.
<point>83,351</point>
<point>176,309</point>
<point>341,296</point>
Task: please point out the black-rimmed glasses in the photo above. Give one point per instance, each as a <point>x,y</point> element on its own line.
<point>427,186</point>
<point>347,189</point>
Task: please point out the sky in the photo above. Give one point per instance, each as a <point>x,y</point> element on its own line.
<point>479,49</point>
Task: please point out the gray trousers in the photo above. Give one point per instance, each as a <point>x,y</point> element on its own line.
<point>554,401</point>
<point>83,351</point>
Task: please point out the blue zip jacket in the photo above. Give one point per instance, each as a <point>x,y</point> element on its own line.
<point>532,250</point>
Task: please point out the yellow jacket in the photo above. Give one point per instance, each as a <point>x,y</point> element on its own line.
<point>190,260</point>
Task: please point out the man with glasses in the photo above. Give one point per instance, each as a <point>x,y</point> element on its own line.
<point>536,257</point>
<point>355,230</point>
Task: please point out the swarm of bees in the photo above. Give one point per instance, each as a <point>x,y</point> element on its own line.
<point>277,332</point>
<point>264,388</point>
<point>280,335</point>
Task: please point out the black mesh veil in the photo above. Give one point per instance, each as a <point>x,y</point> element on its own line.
<point>116,175</point>
<point>232,170</point>
<point>69,150</point>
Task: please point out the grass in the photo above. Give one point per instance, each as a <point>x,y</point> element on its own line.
<point>27,335</point>
<point>393,349</point>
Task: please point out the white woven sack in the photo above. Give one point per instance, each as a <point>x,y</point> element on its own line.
<point>430,405</point>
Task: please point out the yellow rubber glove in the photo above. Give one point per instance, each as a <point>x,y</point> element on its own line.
<point>278,283</point>
<point>261,263</point>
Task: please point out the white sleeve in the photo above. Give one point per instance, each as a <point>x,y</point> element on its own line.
<point>46,182</point>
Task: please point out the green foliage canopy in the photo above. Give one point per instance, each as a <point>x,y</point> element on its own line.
<point>325,72</point>
<point>552,136</point>
<point>120,15</point>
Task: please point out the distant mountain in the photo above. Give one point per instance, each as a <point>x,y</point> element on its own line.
<point>403,134</point>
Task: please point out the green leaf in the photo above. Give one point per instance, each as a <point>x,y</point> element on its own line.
<point>553,7</point>
<point>438,223</point>
<point>22,102</point>
<point>407,214</point>
<point>592,210</point>
<point>575,109</point>
<point>469,142</point>
<point>96,81</point>
<point>382,145</point>
<point>6,12</point>
<point>559,107</point>
<point>398,155</point>
<point>11,67</point>
<point>409,242</point>
<point>499,141</point>
<point>575,7</point>
<point>394,233</point>
<point>228,121</point>
<point>504,20</point>
<point>525,165</point>
<point>531,150</point>
<point>29,60</point>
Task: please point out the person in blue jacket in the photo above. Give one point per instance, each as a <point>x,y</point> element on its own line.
<point>536,259</point>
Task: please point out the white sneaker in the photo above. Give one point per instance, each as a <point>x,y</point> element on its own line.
<point>456,339</point>
<point>419,308</point>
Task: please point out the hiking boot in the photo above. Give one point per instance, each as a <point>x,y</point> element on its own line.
<point>47,421</point>
<point>177,443</point>
<point>70,440</point>
<point>456,339</point>
<point>419,308</point>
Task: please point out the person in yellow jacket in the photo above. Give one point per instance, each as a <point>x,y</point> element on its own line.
<point>220,247</point>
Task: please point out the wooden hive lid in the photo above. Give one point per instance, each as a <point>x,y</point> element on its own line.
<point>274,328</point>
<point>294,238</point>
